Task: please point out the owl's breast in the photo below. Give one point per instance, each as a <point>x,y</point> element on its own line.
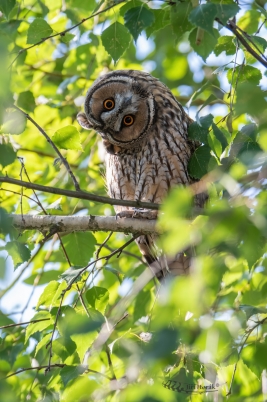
<point>148,173</point>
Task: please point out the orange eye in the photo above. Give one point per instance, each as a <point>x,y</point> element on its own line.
<point>128,120</point>
<point>109,104</point>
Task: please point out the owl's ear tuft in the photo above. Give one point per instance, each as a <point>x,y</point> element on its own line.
<point>83,121</point>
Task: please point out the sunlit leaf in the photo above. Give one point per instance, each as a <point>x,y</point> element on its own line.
<point>97,297</point>
<point>79,247</point>
<point>116,40</point>
<point>38,30</point>
<point>26,101</point>
<point>18,252</point>
<point>51,294</point>
<point>45,321</point>
<point>68,138</point>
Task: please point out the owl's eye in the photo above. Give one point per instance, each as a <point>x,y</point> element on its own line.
<point>109,104</point>
<point>128,120</point>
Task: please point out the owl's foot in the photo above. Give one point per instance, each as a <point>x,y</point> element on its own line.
<point>138,213</point>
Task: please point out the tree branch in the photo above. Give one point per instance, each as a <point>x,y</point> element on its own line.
<point>235,30</point>
<point>83,223</point>
<point>82,195</point>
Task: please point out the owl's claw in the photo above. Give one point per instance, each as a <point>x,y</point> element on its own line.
<point>138,213</point>
<point>145,213</point>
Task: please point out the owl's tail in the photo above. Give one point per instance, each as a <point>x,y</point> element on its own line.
<point>163,266</point>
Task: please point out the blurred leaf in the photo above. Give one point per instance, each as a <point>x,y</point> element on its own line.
<point>38,30</point>
<point>5,220</point>
<point>97,298</point>
<point>116,40</point>
<point>226,11</point>
<point>179,18</point>
<point>68,373</point>
<point>207,45</point>
<point>67,37</point>
<point>45,277</point>
<point>138,18</point>
<point>201,162</point>
<point>6,6</point>
<point>18,252</point>
<point>14,122</point>
<point>51,294</point>
<point>220,136</point>
<point>72,273</point>
<point>26,101</point>
<point>161,19</point>
<point>199,131</point>
<point>68,138</point>
<point>244,93</point>
<point>38,326</point>
<point>249,21</point>
<point>203,16</point>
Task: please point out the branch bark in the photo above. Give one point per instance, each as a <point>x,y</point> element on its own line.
<point>82,195</point>
<point>68,224</point>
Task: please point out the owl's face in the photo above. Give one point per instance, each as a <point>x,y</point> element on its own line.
<point>119,108</point>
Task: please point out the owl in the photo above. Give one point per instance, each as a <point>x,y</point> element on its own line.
<point>144,130</point>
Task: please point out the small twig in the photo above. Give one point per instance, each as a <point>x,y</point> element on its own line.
<point>246,336</point>
<point>23,323</point>
<point>61,365</point>
<point>64,160</point>
<point>235,29</point>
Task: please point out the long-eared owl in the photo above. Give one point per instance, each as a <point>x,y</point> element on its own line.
<point>144,131</point>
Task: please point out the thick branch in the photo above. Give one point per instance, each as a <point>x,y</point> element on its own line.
<point>82,195</point>
<point>83,223</point>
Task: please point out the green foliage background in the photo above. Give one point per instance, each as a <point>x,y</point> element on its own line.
<point>205,329</point>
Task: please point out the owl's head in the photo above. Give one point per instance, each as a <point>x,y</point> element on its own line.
<point>120,107</point>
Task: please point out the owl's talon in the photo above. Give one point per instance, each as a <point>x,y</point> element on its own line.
<point>124,214</point>
<point>142,213</point>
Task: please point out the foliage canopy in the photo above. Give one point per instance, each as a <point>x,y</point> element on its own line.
<point>208,329</point>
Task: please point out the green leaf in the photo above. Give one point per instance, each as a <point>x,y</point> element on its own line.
<point>220,136</point>
<point>26,101</point>
<point>245,93</point>
<point>66,38</point>
<point>79,390</point>
<point>45,340</point>
<point>249,21</point>
<point>68,138</point>
<point>251,131</point>
<point>226,11</point>
<point>64,347</point>
<point>5,220</point>
<point>161,19</point>
<point>116,40</point>
<point>39,326</point>
<point>71,273</point>
<point>138,18</point>
<point>45,277</point>
<point>83,342</point>
<point>51,294</point>
<point>206,46</point>
<point>201,162</point>
<point>79,247</point>
<point>244,74</point>
<point>6,6</point>
<point>225,44</point>
<point>199,132</point>
<point>98,298</point>
<point>38,30</point>
<point>203,17</point>
<point>7,155</point>
<point>179,18</point>
<point>18,252</point>
<point>252,310</point>
<point>68,373</point>
<point>14,122</point>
